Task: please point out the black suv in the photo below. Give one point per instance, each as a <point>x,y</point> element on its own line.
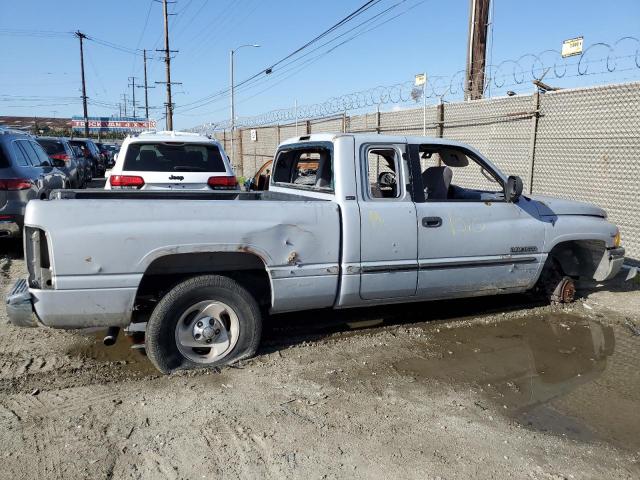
<point>59,149</point>
<point>91,152</point>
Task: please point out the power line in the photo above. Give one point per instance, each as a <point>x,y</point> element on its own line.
<point>144,30</point>
<point>191,19</point>
<point>221,17</point>
<point>359,11</point>
<point>219,95</point>
<point>351,16</point>
<point>16,32</point>
<point>115,46</point>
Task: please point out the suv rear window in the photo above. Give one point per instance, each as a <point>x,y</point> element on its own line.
<point>52,147</point>
<point>173,157</point>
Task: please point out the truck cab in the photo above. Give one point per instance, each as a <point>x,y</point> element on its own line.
<point>429,218</point>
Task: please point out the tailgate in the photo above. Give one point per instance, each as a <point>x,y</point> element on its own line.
<point>173,180</point>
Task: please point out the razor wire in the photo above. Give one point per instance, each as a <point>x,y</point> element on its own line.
<point>621,55</point>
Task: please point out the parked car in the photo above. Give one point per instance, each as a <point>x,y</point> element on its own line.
<point>110,151</point>
<point>105,152</point>
<point>349,220</point>
<point>171,160</point>
<point>85,164</point>
<point>91,152</point>
<point>26,173</point>
<point>58,149</point>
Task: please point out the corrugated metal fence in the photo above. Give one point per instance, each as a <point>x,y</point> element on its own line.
<point>582,144</point>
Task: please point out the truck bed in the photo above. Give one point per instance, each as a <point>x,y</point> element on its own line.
<point>97,194</point>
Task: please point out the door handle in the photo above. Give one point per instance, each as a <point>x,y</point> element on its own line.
<point>431,222</point>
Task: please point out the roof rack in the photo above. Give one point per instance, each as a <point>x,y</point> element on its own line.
<point>170,133</point>
<point>12,131</point>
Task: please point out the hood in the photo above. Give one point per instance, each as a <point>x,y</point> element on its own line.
<point>550,206</point>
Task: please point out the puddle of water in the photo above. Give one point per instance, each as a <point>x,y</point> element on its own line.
<point>121,353</point>
<point>539,371</point>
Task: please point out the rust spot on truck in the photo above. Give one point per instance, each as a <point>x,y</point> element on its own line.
<point>292,258</point>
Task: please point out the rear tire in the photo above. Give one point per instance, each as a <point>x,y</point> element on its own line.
<point>178,326</point>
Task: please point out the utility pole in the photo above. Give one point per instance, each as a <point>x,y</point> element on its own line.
<point>133,92</point>
<point>167,59</point>
<point>124,101</point>
<point>476,48</point>
<point>81,36</point>
<point>146,87</point>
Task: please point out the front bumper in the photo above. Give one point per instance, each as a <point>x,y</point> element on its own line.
<point>610,265</point>
<point>19,306</point>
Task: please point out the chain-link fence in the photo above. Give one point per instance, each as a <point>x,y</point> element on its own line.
<point>582,144</point>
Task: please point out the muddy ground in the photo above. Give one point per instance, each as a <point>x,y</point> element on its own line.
<point>491,388</point>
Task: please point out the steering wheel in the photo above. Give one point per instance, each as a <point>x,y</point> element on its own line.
<point>387,179</point>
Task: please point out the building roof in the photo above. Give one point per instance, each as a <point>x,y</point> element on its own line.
<point>29,123</point>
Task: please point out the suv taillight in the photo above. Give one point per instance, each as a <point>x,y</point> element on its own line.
<point>126,181</point>
<point>60,156</point>
<point>15,184</point>
<point>222,183</point>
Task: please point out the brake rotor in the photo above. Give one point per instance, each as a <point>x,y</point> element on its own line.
<point>565,291</point>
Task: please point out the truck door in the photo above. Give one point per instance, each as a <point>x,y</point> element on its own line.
<point>469,238</point>
<point>388,231</point>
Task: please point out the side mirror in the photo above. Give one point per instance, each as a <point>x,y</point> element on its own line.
<point>513,189</point>
<point>45,163</point>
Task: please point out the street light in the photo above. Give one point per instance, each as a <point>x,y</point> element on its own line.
<point>233,111</point>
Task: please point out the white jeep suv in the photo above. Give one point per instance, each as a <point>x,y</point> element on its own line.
<point>169,161</point>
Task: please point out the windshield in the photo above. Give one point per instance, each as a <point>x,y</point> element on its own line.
<point>173,157</point>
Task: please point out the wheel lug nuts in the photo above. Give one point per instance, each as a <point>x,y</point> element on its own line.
<point>211,321</point>
<point>199,324</point>
<point>208,340</point>
<point>217,331</point>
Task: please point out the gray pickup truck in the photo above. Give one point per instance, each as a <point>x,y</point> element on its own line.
<point>349,220</point>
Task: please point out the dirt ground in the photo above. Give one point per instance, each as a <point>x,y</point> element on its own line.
<point>488,388</point>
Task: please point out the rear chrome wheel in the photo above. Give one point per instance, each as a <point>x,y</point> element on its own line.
<point>207,331</point>
<point>204,321</point>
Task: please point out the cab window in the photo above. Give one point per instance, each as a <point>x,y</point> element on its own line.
<point>305,167</point>
<point>455,174</point>
<point>383,166</point>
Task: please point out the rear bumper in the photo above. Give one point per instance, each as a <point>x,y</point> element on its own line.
<point>81,308</point>
<point>104,307</point>
<point>19,306</point>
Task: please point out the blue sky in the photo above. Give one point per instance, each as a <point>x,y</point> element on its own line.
<point>39,75</point>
